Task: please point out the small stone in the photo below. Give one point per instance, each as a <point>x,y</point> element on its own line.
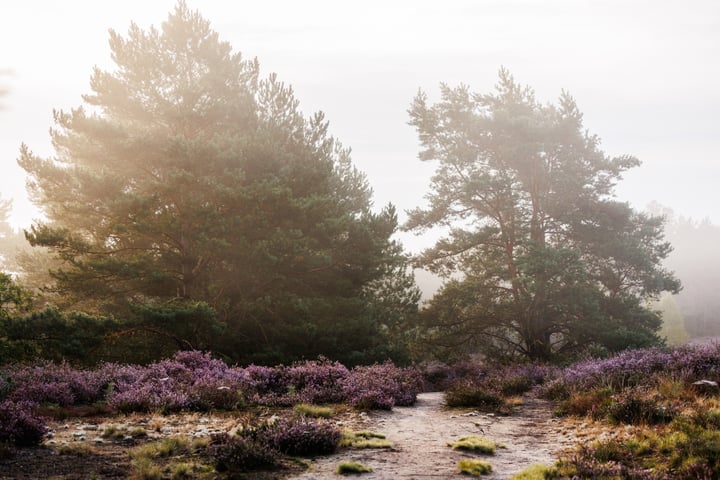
<point>706,387</point>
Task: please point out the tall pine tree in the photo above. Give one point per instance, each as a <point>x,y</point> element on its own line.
<point>186,185</point>
<point>543,261</point>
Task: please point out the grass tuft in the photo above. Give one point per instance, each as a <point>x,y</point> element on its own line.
<point>364,439</point>
<point>534,472</point>
<point>345,468</point>
<point>313,411</point>
<point>476,443</point>
<point>474,467</point>
<point>78,449</point>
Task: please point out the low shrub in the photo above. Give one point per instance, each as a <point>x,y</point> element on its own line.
<point>468,393</point>
<point>439,376</point>
<point>518,379</point>
<point>593,403</point>
<point>382,386</point>
<point>633,408</point>
<point>296,436</point>
<point>19,425</point>
<point>684,450</point>
<point>239,453</point>
<point>317,381</point>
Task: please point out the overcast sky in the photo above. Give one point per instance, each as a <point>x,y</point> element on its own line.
<point>646,74</point>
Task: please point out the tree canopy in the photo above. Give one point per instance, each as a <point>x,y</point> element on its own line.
<point>194,196</point>
<point>542,260</point>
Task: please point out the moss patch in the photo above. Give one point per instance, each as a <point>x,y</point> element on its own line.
<point>345,468</point>
<point>476,443</point>
<point>474,467</point>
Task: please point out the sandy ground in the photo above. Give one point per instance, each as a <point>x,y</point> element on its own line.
<point>420,435</point>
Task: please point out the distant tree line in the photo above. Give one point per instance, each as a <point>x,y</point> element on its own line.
<point>191,205</point>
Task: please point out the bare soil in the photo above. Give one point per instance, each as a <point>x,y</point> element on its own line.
<point>420,435</point>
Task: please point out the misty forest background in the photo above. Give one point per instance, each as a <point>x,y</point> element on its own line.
<point>190,205</point>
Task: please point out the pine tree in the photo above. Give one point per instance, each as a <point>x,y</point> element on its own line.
<point>187,178</point>
<point>543,261</point>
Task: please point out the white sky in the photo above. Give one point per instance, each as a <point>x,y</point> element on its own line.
<point>646,74</point>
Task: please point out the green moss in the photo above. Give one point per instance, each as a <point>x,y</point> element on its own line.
<point>476,443</point>
<point>345,468</point>
<point>364,439</point>
<point>474,467</point>
<point>534,472</point>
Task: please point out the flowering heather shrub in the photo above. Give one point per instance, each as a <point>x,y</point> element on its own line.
<point>381,386</point>
<point>237,453</point>
<point>627,369</point>
<point>60,384</point>
<point>190,380</point>
<point>218,393</point>
<point>637,368</point>
<point>473,393</point>
<point>318,381</point>
<point>299,436</point>
<point>697,362</point>
<point>19,425</point>
<point>161,386</point>
<point>268,385</point>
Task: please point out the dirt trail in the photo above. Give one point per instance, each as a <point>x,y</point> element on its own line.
<point>420,435</point>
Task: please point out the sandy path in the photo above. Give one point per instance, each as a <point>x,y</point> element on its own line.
<point>420,435</point>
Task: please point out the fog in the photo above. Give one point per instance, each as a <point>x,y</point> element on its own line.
<point>644,74</point>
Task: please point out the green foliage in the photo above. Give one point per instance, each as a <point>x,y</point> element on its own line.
<point>474,467</point>
<point>54,335</point>
<point>544,263</point>
<point>185,180</point>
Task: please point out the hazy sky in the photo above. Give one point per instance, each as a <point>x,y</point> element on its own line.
<point>646,74</point>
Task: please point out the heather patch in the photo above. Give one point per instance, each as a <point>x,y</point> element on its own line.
<point>382,386</point>
<point>20,425</point>
<point>297,436</point>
